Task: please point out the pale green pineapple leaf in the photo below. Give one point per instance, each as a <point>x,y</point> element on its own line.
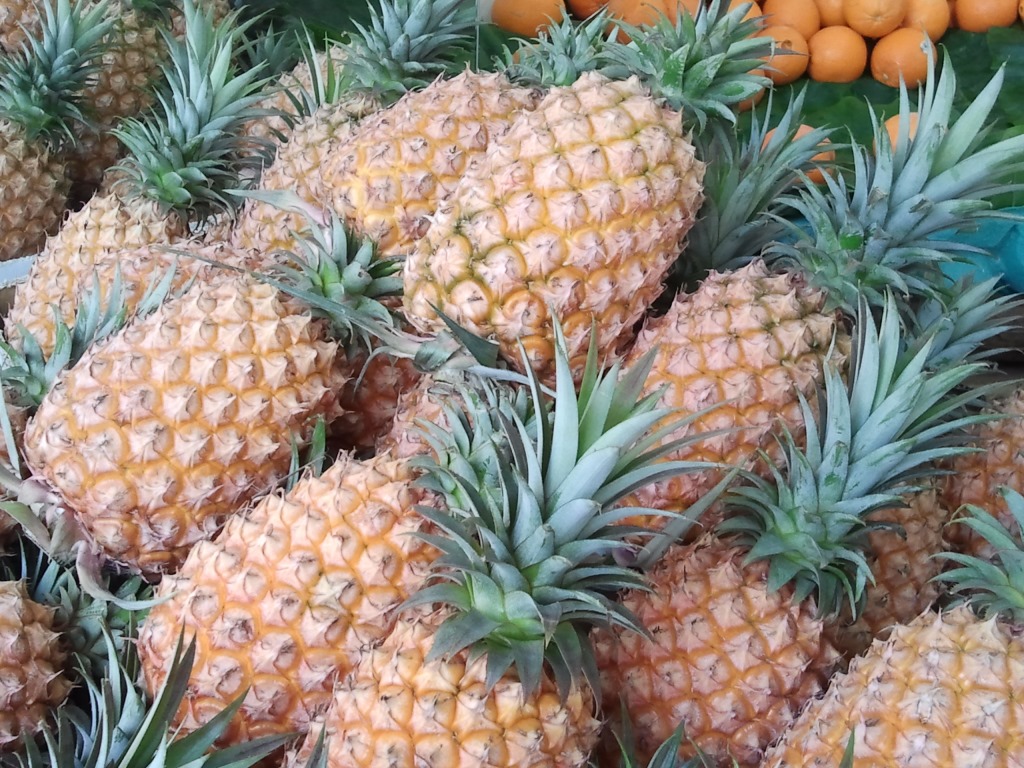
<point>42,84</point>
<point>562,52</point>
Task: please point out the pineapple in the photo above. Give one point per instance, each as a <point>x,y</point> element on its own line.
<point>282,601</point>
<point>177,421</point>
<point>737,643</point>
<point>737,338</point>
<point>574,216</point>
<point>161,432</point>
<point>407,42</point>
<point>944,689</point>
<point>180,163</point>
<point>500,673</point>
<point>31,659</point>
<point>40,101</point>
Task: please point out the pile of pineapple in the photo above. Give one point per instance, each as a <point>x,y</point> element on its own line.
<point>391,410</point>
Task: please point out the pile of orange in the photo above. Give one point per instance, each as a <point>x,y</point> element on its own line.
<point>835,41</point>
<point>831,41</point>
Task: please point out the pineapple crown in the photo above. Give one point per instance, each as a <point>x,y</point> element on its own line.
<point>529,565</point>
<point>41,86</point>
<point>874,438</point>
<point>878,231</point>
<point>561,53</point>
<point>118,728</point>
<point>190,150</point>
<point>745,182</point>
<point>703,66</point>
<point>338,274</point>
<point>407,45</point>
<point>29,373</point>
<point>993,588</point>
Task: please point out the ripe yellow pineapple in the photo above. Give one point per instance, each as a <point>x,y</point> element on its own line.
<point>735,677</point>
<point>161,432</point>
<point>944,689</point>
<point>18,19</point>
<point>407,43</point>
<point>40,106</point>
<point>370,398</point>
<point>286,596</point>
<point>400,708</point>
<point>750,341</point>
<point>735,649</point>
<point>172,180</point>
<point>574,216</point>
<point>31,678</point>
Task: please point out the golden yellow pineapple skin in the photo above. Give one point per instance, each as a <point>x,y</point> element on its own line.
<point>941,691</point>
<point>370,403</point>
<point>423,403</point>
<point>389,177</point>
<point>750,341</point>
<point>903,566</point>
<point>32,680</point>
<point>577,212</point>
<point>975,478</point>
<point>161,432</point>
<point>397,710</point>
<point>284,598</point>
<point>298,168</point>
<point>731,660</point>
<point>89,239</point>
<point>33,193</point>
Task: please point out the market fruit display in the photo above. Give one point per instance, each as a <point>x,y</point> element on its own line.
<point>425,395</point>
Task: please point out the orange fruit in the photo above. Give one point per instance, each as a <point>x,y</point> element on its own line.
<point>952,14</point>
<point>584,9</point>
<point>831,12</point>
<point>526,18</point>
<point>892,127</point>
<point>828,156</point>
<point>930,15</point>
<point>637,12</point>
<point>982,15</point>
<point>838,55</point>
<point>874,18</point>
<point>754,100</point>
<point>790,59</point>
<point>801,15</point>
<point>1020,9</point>
<point>903,53</point>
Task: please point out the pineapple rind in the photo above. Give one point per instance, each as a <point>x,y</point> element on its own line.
<point>160,433</point>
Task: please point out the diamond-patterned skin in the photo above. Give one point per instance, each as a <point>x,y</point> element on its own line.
<point>732,661</point>
<point>158,434</point>
<point>395,169</point>
<point>371,402</point>
<point>398,710</point>
<point>285,597</point>
<point>577,211</point>
<point>298,168</point>
<point>941,691</point>
<point>32,681</point>
<point>33,192</point>
<point>88,239</point>
<point>904,565</point>
<point>975,478</point>
<point>750,341</point>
